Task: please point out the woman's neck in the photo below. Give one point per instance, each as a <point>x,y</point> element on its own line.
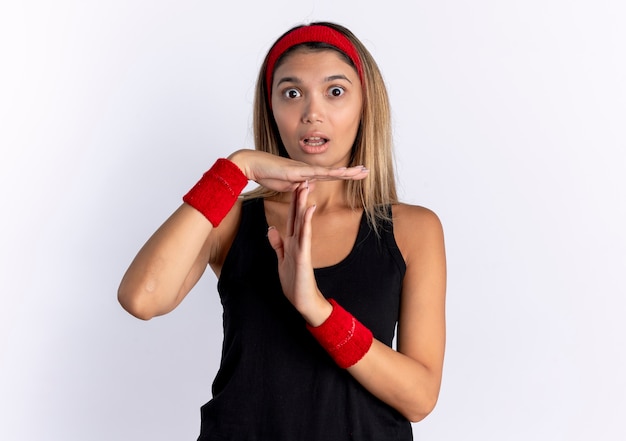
<point>327,196</point>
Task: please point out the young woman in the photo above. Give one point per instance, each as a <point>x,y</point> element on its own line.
<point>318,268</point>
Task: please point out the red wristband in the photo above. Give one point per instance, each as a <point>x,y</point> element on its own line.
<point>218,189</point>
<point>344,338</point>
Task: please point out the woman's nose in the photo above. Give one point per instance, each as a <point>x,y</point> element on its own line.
<point>313,111</point>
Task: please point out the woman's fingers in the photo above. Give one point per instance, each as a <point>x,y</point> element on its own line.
<point>302,221</point>
<point>325,174</point>
<point>291,217</point>
<point>292,174</point>
<point>284,174</point>
<point>276,242</point>
<point>303,194</point>
<point>305,237</point>
<point>299,217</point>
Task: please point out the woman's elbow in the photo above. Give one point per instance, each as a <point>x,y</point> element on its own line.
<point>416,417</point>
<point>420,409</point>
<point>136,301</point>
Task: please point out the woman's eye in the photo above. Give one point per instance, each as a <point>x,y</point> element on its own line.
<point>291,93</point>
<point>336,91</point>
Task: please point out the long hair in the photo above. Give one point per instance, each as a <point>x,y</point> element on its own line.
<point>373,146</point>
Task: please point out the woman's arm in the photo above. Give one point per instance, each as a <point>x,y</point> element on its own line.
<point>408,379</point>
<point>172,261</point>
<point>175,257</point>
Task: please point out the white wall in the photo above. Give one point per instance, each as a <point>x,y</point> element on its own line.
<point>509,122</point>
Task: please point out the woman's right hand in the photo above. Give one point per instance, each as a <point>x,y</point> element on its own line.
<point>284,174</point>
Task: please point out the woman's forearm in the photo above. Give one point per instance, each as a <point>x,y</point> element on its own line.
<point>398,380</point>
<point>161,274</point>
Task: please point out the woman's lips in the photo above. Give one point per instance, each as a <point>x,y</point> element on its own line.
<point>314,144</point>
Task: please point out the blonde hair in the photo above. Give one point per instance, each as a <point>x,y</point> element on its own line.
<point>373,146</point>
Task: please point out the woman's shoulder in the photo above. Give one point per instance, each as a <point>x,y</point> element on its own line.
<point>415,227</point>
<point>414,215</point>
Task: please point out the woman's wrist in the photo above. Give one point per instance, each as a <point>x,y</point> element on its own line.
<point>217,191</point>
<point>344,338</point>
<point>317,313</point>
<point>239,159</point>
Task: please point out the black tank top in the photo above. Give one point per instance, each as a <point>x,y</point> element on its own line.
<point>275,382</point>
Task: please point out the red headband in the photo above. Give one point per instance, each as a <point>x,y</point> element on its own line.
<point>310,34</point>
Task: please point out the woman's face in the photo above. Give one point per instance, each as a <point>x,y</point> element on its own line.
<point>317,101</point>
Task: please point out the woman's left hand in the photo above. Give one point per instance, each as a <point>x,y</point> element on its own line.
<point>294,260</point>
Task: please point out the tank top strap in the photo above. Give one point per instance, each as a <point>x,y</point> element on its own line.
<point>388,238</point>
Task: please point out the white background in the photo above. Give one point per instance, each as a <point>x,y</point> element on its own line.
<point>509,123</point>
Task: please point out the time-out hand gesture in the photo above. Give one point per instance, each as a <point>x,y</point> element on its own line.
<point>294,259</point>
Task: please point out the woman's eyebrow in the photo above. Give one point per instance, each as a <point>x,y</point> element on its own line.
<point>337,77</point>
<point>294,80</point>
<point>328,79</point>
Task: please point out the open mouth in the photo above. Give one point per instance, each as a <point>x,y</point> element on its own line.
<point>315,141</point>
